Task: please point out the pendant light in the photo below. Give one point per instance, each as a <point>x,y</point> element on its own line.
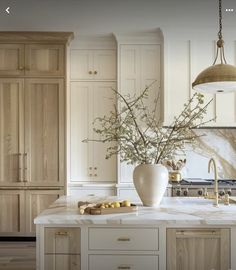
<point>218,77</point>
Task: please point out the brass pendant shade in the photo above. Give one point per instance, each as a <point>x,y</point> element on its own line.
<point>218,77</point>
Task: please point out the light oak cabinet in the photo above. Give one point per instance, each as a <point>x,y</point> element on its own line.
<point>32,60</point>
<point>32,125</point>
<point>93,64</point>
<point>198,249</point>
<point>62,248</point>
<point>88,101</point>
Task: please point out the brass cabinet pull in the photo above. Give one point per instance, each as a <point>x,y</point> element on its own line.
<point>123,267</point>
<point>62,233</point>
<point>197,233</point>
<point>90,168</point>
<point>20,162</point>
<point>21,68</point>
<point>90,175</point>
<point>90,72</point>
<point>95,175</point>
<point>95,72</point>
<point>95,168</point>
<point>123,239</point>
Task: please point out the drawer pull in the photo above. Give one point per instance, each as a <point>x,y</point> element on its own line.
<point>123,239</point>
<point>123,267</point>
<point>62,233</point>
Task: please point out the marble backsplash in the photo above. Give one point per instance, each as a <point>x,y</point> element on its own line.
<point>217,143</point>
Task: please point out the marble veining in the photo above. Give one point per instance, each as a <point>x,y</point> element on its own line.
<point>173,210</point>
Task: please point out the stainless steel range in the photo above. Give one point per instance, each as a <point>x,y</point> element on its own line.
<point>196,187</point>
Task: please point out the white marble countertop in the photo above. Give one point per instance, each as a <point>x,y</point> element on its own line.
<point>172,211</point>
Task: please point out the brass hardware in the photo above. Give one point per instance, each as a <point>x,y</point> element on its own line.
<point>95,72</point>
<point>123,267</point>
<point>61,233</point>
<point>175,176</point>
<point>20,160</point>
<point>90,175</point>
<point>90,168</point>
<point>21,68</point>
<point>95,174</point>
<point>25,157</point>
<point>123,239</point>
<point>95,168</point>
<point>197,233</point>
<point>90,72</point>
<point>212,161</point>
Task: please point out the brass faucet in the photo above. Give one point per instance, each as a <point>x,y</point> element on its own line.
<point>212,161</point>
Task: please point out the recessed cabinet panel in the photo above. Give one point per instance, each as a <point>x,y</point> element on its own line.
<point>114,262</point>
<point>11,59</point>
<point>12,211</point>
<point>44,121</point>
<point>62,262</point>
<point>11,132</point>
<point>44,60</point>
<point>36,202</point>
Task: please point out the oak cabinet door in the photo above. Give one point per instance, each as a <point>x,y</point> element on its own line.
<point>36,202</point>
<point>44,60</point>
<point>44,132</point>
<point>198,249</point>
<point>61,262</point>
<point>12,203</point>
<point>11,59</point>
<point>11,132</point>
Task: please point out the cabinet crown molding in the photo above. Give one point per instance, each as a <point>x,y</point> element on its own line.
<point>31,37</point>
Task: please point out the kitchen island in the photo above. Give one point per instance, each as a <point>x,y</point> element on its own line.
<point>183,233</point>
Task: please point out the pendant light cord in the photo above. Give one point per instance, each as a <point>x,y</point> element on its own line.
<point>220,20</point>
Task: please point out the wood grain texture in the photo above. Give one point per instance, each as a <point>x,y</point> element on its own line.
<point>17,256</point>
<point>62,262</point>
<point>200,249</point>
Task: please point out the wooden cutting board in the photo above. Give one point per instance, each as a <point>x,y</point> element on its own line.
<point>232,199</point>
<point>118,210</point>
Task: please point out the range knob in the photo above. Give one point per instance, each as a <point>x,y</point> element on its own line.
<point>178,192</point>
<point>229,192</point>
<point>200,192</point>
<point>185,192</point>
<point>222,193</point>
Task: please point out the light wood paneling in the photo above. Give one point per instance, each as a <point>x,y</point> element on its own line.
<point>44,135</point>
<point>36,202</point>
<point>12,211</point>
<point>11,132</point>
<point>62,240</point>
<point>44,60</point>
<point>62,262</point>
<point>198,249</point>
<point>11,59</point>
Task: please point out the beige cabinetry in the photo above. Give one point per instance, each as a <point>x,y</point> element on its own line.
<point>88,101</point>
<point>93,64</point>
<point>123,248</point>
<point>32,121</point>
<point>62,249</point>
<point>198,249</point>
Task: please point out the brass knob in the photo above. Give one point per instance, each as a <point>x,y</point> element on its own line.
<point>90,168</point>
<point>95,174</point>
<point>90,174</point>
<point>95,168</point>
<point>21,68</point>
<point>95,72</point>
<point>90,72</point>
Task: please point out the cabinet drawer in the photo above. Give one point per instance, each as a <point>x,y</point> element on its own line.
<point>123,238</point>
<point>82,192</point>
<point>125,262</point>
<point>62,262</point>
<point>62,241</point>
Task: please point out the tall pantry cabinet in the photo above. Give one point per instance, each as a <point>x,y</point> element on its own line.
<point>32,126</point>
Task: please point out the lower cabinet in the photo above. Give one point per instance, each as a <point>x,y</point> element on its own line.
<point>198,249</point>
<point>62,248</point>
<point>114,262</point>
<point>20,207</point>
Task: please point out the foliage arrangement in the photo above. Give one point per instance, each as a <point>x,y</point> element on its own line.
<point>136,134</point>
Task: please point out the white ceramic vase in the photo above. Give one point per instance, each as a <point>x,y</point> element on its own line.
<point>150,181</point>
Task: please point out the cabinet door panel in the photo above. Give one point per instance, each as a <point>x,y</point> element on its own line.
<point>81,153</point>
<point>11,59</point>
<point>82,65</point>
<point>12,211</point>
<point>104,62</point>
<point>11,132</point>
<point>36,202</point>
<point>44,132</point>
<point>44,60</point>
<point>103,100</point>
<point>62,262</point>
<point>198,249</point>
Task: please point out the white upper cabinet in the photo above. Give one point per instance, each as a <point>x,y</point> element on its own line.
<point>184,60</point>
<point>93,64</point>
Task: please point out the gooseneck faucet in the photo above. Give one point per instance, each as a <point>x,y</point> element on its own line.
<point>213,162</point>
